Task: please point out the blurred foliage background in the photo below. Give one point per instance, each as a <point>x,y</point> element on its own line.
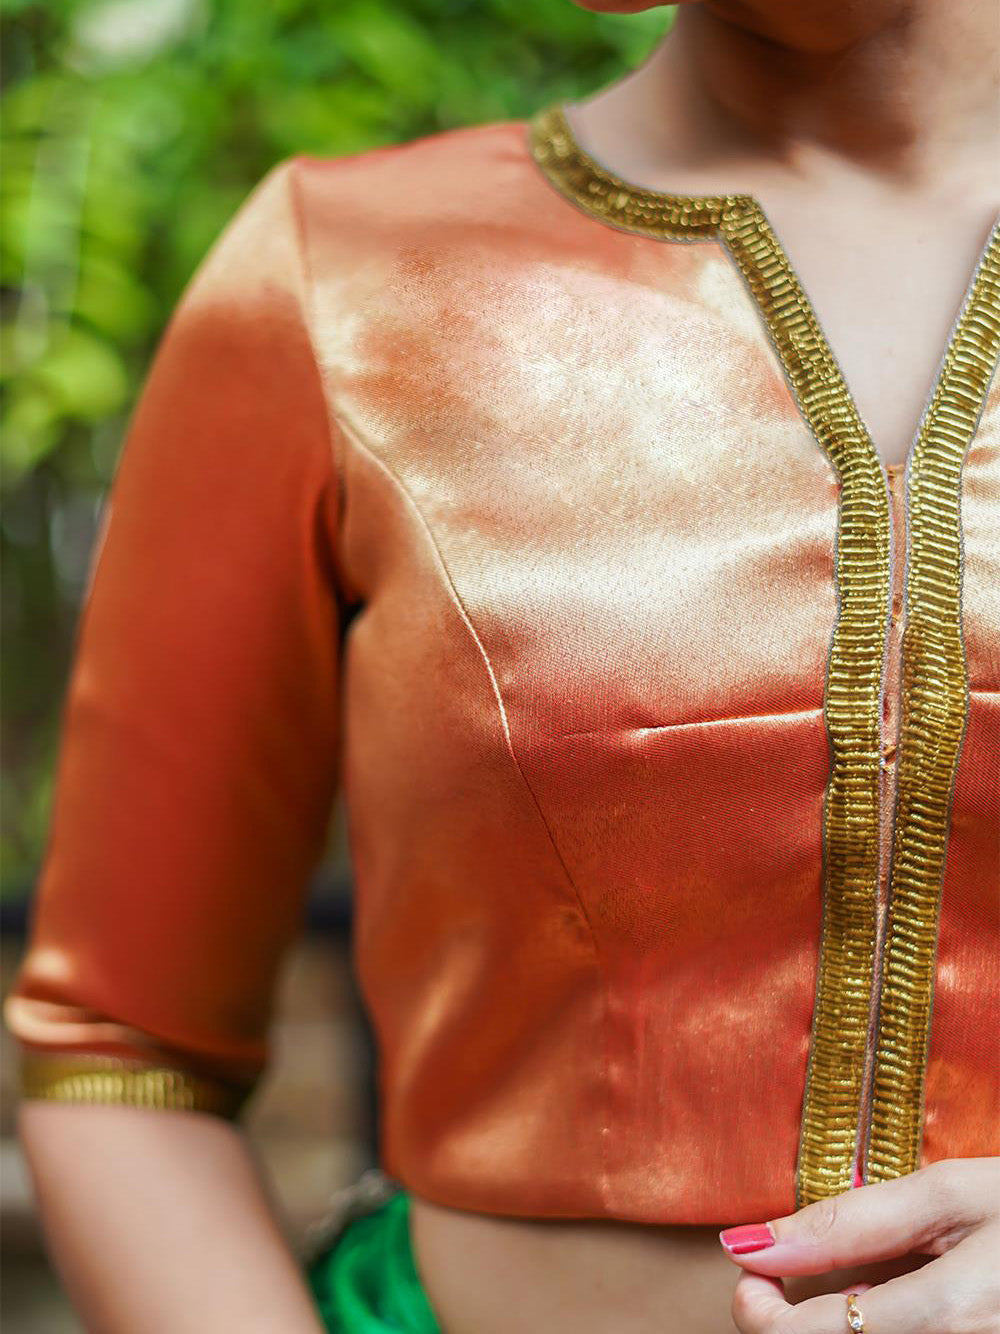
<point>131,130</point>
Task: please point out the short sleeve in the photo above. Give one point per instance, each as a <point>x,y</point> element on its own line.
<point>197,766</point>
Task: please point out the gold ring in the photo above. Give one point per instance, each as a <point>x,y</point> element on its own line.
<point>855,1319</point>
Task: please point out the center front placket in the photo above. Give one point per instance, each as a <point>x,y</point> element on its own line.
<point>891,710</point>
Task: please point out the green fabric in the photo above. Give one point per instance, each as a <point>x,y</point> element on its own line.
<point>367,1282</point>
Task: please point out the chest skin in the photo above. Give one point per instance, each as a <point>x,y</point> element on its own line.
<point>887,294</point>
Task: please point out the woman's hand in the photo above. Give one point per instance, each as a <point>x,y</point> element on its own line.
<point>948,1211</point>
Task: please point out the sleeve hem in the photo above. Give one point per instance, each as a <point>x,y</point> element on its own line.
<point>81,1078</point>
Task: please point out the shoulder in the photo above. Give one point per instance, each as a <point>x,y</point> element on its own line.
<point>481,177</point>
<point>311,216</point>
<point>414,173</point>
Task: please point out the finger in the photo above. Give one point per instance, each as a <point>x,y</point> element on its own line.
<point>758,1302</point>
<point>928,1301</point>
<point>910,1214</point>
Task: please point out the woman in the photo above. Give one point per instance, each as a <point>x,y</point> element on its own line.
<point>668,724</point>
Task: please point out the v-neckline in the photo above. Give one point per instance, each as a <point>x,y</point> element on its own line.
<point>626,205</point>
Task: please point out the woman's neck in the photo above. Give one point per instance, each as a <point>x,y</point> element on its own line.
<point>902,93</point>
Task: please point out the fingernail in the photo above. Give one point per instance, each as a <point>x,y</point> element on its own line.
<point>744,1240</point>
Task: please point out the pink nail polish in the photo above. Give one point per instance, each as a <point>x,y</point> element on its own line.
<point>744,1240</point>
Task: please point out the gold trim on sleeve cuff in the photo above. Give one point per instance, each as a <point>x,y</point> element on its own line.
<point>69,1078</point>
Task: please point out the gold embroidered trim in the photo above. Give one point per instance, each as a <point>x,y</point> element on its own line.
<point>935,706</point>
<point>837,1076</point>
<point>111,1079</point>
<point>852,707</point>
<point>852,702</point>
<point>578,176</point>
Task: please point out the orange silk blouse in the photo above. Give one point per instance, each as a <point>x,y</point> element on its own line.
<point>530,507</point>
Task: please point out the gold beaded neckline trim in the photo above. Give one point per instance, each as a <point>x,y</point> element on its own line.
<point>863,1100</point>
<point>616,201</point>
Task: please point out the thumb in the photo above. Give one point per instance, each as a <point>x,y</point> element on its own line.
<point>861,1226</point>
